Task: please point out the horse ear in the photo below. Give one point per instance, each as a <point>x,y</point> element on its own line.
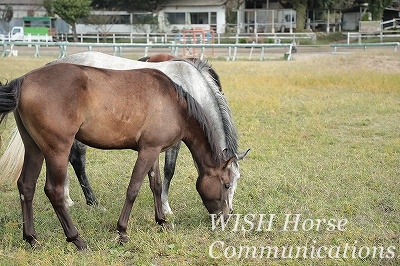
<point>229,162</point>
<point>241,155</point>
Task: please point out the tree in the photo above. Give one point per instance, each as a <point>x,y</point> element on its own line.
<point>376,7</point>
<point>71,11</point>
<point>301,9</point>
<point>129,5</point>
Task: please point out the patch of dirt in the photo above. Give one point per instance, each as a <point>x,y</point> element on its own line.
<point>383,59</point>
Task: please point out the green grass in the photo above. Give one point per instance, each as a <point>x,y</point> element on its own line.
<point>325,143</point>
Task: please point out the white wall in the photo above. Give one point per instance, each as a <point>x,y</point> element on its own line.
<point>220,10</point>
<point>350,21</point>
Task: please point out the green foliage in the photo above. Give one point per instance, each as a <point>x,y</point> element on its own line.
<point>7,13</point>
<point>71,10</point>
<point>48,5</point>
<point>376,7</point>
<point>129,5</point>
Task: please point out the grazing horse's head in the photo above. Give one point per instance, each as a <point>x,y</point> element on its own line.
<point>217,188</point>
<point>214,188</point>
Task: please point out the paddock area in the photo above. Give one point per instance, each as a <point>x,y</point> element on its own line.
<point>319,186</point>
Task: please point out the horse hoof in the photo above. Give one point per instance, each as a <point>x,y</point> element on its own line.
<point>80,245</point>
<point>161,221</point>
<point>168,227</point>
<point>33,242</point>
<point>123,238</point>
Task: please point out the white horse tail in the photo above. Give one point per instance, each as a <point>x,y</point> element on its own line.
<point>13,158</point>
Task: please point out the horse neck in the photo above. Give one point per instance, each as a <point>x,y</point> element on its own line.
<point>197,142</point>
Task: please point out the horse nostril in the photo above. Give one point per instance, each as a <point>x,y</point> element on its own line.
<point>227,185</point>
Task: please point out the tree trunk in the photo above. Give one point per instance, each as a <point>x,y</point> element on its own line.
<point>301,11</point>
<point>75,36</point>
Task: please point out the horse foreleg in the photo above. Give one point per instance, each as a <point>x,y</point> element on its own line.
<point>77,158</point>
<point>155,185</point>
<point>171,156</point>
<point>144,162</point>
<point>56,170</point>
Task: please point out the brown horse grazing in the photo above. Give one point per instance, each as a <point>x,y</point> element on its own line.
<point>77,156</point>
<point>179,73</point>
<point>57,103</point>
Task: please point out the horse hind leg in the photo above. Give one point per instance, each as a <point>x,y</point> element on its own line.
<point>56,169</point>
<point>33,161</point>
<point>171,156</point>
<point>156,188</point>
<point>77,158</point>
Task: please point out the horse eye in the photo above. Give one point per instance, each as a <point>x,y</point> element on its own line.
<point>227,185</point>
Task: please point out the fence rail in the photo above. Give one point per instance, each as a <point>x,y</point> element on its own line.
<point>118,47</point>
<point>381,35</point>
<point>178,38</point>
<point>364,45</point>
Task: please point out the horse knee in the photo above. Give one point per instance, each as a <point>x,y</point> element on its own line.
<point>131,194</point>
<point>26,192</point>
<point>55,194</point>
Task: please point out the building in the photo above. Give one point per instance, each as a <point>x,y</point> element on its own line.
<point>23,8</point>
<point>259,16</point>
<point>179,15</point>
<point>28,8</point>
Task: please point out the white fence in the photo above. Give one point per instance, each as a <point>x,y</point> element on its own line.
<point>179,38</point>
<point>173,47</point>
<point>335,47</point>
<point>363,35</point>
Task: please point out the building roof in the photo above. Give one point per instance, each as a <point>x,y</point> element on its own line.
<point>195,3</point>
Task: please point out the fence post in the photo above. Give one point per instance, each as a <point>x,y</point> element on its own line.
<point>229,53</point>
<point>234,53</point>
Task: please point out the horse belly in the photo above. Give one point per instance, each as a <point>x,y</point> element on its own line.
<point>143,125</point>
<point>110,132</point>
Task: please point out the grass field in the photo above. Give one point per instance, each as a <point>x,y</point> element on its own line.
<point>324,134</point>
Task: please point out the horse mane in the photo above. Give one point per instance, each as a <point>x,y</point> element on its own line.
<point>229,128</point>
<point>195,110</point>
<point>144,59</point>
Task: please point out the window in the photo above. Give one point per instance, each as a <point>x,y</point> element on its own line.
<point>175,18</point>
<point>213,18</point>
<point>144,18</point>
<point>105,18</point>
<point>199,18</point>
